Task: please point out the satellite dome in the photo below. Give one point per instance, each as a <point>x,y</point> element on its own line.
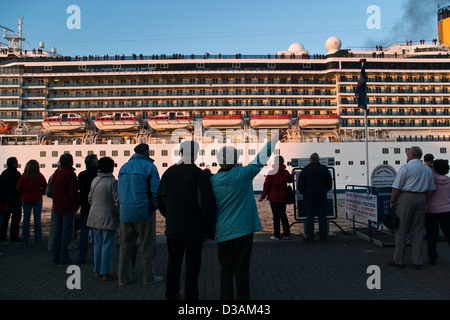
<point>296,47</point>
<point>333,44</point>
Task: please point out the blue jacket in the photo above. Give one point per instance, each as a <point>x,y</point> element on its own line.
<point>134,179</point>
<point>237,214</point>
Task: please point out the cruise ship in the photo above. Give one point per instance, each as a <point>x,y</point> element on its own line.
<point>52,104</point>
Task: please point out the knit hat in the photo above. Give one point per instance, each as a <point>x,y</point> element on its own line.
<point>141,148</point>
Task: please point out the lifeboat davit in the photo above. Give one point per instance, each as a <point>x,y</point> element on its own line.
<point>171,121</point>
<point>311,121</point>
<point>124,121</point>
<point>65,122</point>
<point>265,121</point>
<point>234,121</point>
<point>5,127</point>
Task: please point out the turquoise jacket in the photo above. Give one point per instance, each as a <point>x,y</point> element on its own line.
<point>237,214</point>
<point>135,179</point>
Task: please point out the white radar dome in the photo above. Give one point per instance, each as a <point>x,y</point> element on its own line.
<point>296,47</point>
<point>333,44</point>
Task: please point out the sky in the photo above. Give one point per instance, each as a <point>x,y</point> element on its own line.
<point>249,27</point>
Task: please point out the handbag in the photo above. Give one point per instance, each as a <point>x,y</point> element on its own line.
<point>290,195</point>
<point>391,220</point>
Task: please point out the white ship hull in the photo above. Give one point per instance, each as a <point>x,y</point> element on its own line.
<point>350,161</point>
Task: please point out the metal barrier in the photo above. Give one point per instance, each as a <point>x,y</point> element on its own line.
<point>299,209</point>
<point>369,204</point>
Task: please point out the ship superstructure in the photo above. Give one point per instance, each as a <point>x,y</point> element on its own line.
<point>242,97</point>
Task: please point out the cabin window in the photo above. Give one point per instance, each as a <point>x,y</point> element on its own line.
<point>201,152</point>
<point>164,153</point>
<point>54,153</point>
<point>397,161</point>
<point>102,153</point>
<point>362,163</point>
<point>43,154</point>
<point>350,163</point>
<point>90,152</point>
<point>77,153</point>
<point>385,162</point>
<point>152,153</point>
<point>337,151</point>
<point>164,164</point>
<point>251,152</point>
<point>114,153</point>
<point>397,150</point>
<point>338,163</point>
<point>42,165</point>
<point>126,153</point>
<point>385,150</point>
<point>443,150</point>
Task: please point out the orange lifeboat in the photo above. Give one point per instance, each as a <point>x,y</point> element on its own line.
<point>171,121</point>
<point>267,121</point>
<point>65,122</point>
<point>124,121</point>
<point>311,121</point>
<point>234,121</point>
<point>5,127</point>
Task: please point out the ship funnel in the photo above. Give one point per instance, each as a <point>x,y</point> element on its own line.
<point>444,25</point>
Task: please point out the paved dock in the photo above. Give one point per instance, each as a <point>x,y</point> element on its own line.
<point>280,270</point>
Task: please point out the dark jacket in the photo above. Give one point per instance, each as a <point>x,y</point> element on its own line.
<point>275,185</point>
<point>66,198</point>
<point>12,177</point>
<point>84,185</point>
<point>186,199</point>
<point>4,195</point>
<point>313,183</point>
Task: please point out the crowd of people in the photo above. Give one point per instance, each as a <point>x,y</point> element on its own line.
<point>198,205</point>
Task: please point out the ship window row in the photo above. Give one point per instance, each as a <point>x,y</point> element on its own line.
<point>395,123</point>
<point>405,90</point>
<point>182,81</point>
<point>208,81</point>
<point>126,153</point>
<point>166,93</point>
<point>398,78</point>
<point>82,68</point>
<point>416,100</point>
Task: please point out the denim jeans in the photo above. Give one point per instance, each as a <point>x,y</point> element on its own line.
<point>321,213</point>
<point>37,210</point>
<point>279,214</point>
<point>62,236</point>
<point>104,241</point>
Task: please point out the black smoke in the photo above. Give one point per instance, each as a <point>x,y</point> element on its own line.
<point>417,21</point>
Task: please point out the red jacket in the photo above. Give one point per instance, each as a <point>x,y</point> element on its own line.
<point>32,189</point>
<point>65,195</point>
<point>275,185</point>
